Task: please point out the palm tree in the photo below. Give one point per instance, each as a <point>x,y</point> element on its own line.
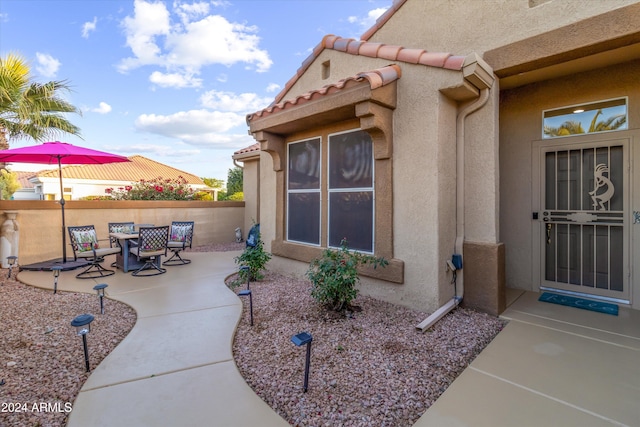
<point>573,128</point>
<point>28,108</point>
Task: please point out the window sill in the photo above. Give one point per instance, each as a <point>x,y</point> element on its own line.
<point>394,272</point>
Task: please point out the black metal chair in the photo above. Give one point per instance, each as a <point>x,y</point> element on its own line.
<point>180,238</point>
<point>85,244</point>
<point>152,244</point>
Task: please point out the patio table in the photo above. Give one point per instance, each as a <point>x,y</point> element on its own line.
<point>125,260</point>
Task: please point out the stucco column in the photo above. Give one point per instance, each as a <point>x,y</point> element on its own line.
<point>9,237</point>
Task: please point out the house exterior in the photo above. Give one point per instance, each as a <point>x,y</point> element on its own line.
<point>453,130</point>
<point>92,180</point>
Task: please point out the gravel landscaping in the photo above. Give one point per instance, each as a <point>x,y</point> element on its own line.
<point>368,367</point>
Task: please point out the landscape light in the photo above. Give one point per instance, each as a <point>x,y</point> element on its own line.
<point>56,273</point>
<point>82,324</point>
<point>244,294</point>
<point>301,339</point>
<point>11,260</point>
<point>100,290</point>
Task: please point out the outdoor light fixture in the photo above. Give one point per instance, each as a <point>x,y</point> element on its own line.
<point>82,324</point>
<point>246,268</point>
<point>11,260</point>
<point>244,294</point>
<point>301,339</point>
<point>56,273</point>
<point>100,290</point>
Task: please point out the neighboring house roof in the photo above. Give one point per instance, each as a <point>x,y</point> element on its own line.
<point>23,179</point>
<point>138,168</point>
<point>377,78</point>
<point>375,50</point>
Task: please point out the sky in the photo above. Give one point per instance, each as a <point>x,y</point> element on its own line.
<point>172,80</point>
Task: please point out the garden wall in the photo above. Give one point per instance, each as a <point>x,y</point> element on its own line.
<point>40,222</point>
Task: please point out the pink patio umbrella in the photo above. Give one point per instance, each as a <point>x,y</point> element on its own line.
<point>61,153</point>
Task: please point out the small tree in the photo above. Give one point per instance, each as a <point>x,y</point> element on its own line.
<point>234,181</point>
<point>9,184</point>
<point>334,276</point>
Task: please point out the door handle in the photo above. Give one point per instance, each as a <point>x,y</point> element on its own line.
<point>549,233</point>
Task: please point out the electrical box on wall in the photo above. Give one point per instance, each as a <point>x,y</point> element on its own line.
<point>456,260</point>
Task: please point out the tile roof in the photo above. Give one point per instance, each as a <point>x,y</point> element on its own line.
<point>23,178</point>
<point>376,78</point>
<point>249,149</point>
<point>376,50</point>
<point>138,168</point>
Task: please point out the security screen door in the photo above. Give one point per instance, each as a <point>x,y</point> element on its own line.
<point>584,226</point>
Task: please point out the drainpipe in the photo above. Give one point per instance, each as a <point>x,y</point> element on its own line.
<point>459,293</point>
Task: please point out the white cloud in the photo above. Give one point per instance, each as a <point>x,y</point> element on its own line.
<point>229,101</point>
<point>184,124</point>
<point>103,108</point>
<point>88,27</point>
<point>189,41</point>
<point>273,87</point>
<point>369,20</point>
<point>47,66</point>
<point>174,80</point>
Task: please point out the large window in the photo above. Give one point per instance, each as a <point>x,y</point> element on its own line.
<point>303,192</point>
<point>344,200</point>
<point>351,190</point>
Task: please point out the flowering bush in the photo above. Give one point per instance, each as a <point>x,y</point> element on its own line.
<point>334,276</point>
<point>155,189</point>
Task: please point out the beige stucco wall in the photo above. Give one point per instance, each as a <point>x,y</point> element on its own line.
<point>424,165</point>
<point>40,222</point>
<point>467,26</point>
<point>520,126</point>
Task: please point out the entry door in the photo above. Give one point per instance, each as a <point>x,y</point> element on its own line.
<point>584,245</point>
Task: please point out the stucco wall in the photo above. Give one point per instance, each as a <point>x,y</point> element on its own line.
<point>466,26</point>
<point>521,125</point>
<point>40,222</point>
<point>424,176</point>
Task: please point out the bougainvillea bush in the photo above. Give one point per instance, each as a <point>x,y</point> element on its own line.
<point>155,189</point>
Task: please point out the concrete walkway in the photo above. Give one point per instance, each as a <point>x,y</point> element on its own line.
<point>551,366</point>
<point>175,368</point>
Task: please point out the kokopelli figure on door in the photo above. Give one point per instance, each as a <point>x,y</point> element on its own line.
<point>601,181</point>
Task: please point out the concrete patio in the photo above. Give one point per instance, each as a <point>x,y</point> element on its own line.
<point>551,365</point>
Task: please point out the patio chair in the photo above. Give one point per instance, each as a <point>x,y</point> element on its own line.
<point>119,227</point>
<point>152,244</point>
<point>180,238</point>
<point>85,244</point>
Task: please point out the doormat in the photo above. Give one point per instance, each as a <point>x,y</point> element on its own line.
<point>585,304</point>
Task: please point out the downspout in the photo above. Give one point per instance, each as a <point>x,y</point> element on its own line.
<point>460,181</point>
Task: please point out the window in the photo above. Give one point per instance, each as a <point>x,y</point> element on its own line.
<point>603,116</point>
<point>351,190</point>
<point>303,192</point>
<point>345,198</point>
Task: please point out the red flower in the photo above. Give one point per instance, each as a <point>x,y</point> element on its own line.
<point>108,190</point>
<point>158,189</point>
<point>128,188</point>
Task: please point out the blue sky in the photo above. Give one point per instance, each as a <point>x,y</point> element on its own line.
<point>172,80</point>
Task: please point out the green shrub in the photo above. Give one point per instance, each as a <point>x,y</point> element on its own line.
<point>334,276</point>
<point>256,259</point>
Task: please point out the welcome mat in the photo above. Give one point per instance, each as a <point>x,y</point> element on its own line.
<point>585,304</point>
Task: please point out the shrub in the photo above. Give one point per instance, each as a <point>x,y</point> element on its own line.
<point>334,276</point>
<point>256,259</point>
<point>155,189</point>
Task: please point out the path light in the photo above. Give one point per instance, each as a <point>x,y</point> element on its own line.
<point>244,294</point>
<point>12,261</point>
<point>100,290</point>
<point>301,339</point>
<point>56,273</point>
<point>82,324</point>
<point>246,268</point>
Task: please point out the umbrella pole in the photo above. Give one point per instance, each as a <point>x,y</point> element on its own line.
<point>64,237</point>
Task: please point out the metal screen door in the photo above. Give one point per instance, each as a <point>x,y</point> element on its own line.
<point>584,246</point>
